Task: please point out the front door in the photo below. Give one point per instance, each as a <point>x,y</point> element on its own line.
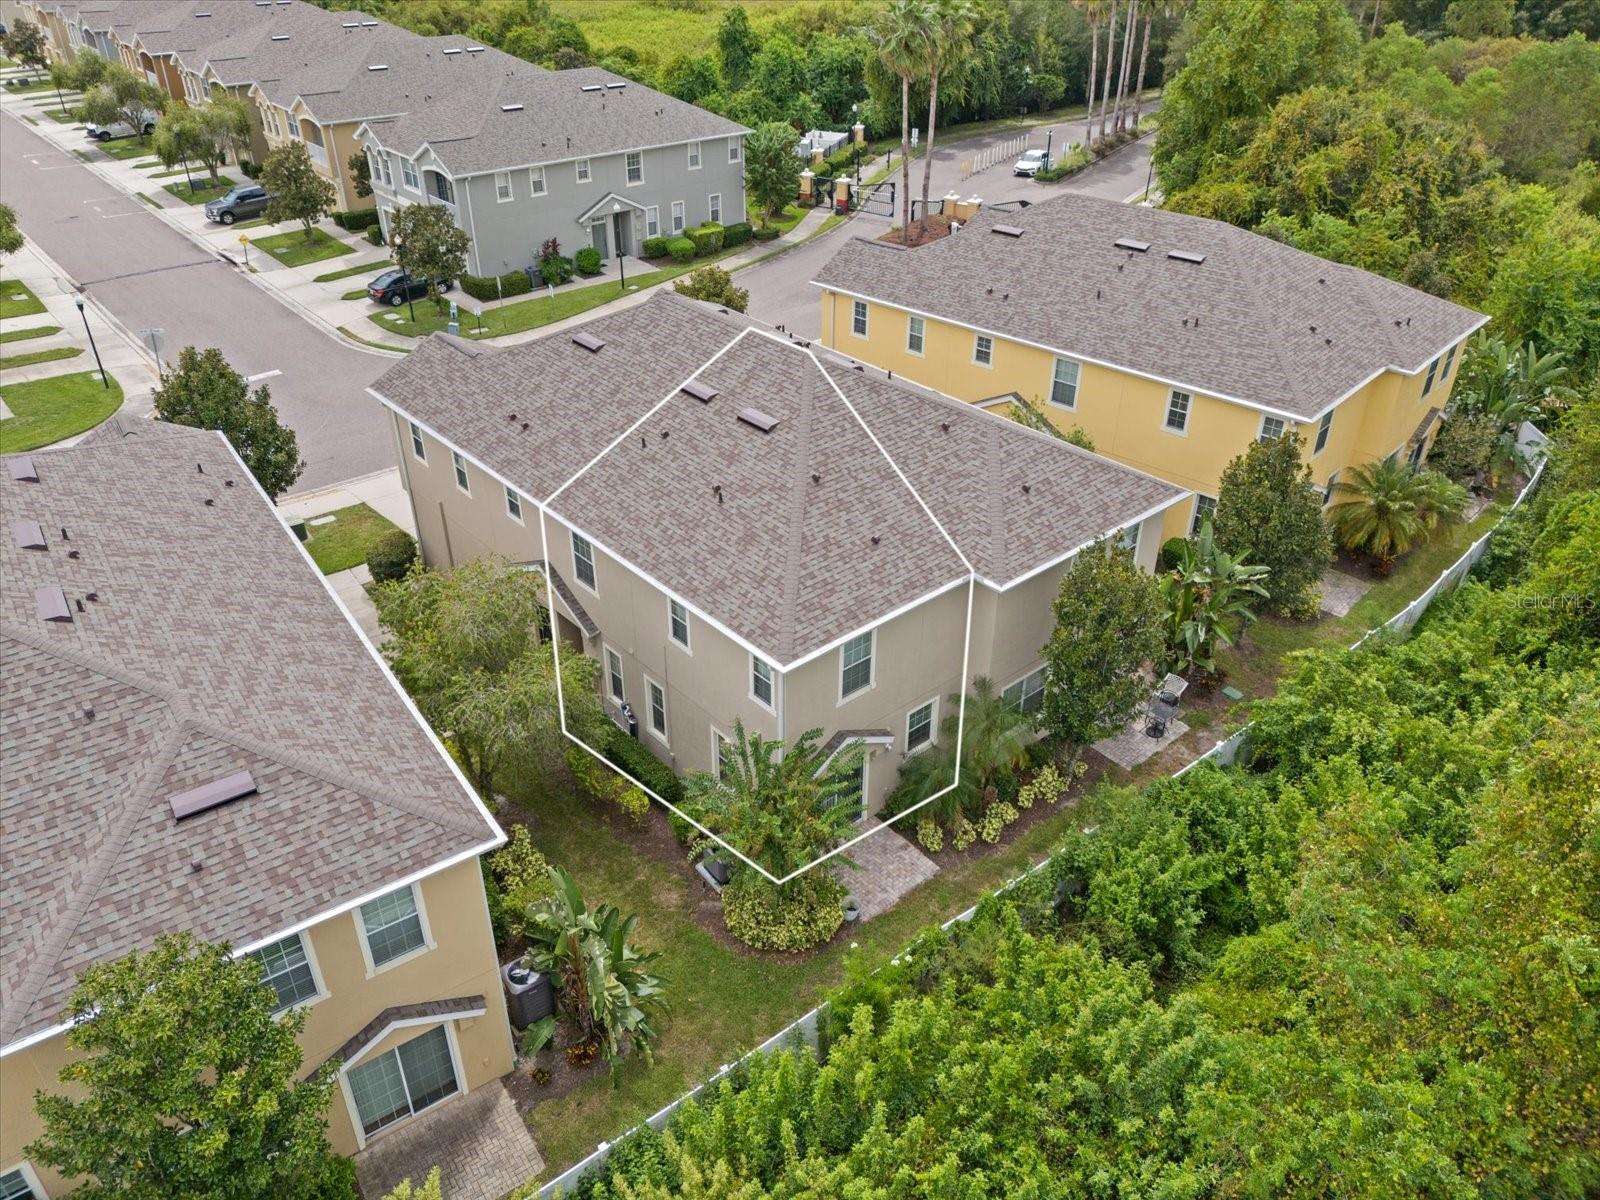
<point>597,235</point>
<point>624,225</point>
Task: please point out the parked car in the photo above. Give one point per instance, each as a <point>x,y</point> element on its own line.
<point>121,129</point>
<point>243,203</point>
<point>1029,163</point>
<point>395,287</point>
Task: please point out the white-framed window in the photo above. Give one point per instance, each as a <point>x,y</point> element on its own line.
<point>1026,695</point>
<point>677,216</point>
<point>536,181</point>
<point>513,505</point>
<point>388,171</point>
<point>1449,361</point>
<point>1327,489</point>
<point>392,928</point>
<point>614,675</point>
<point>919,726</point>
<point>983,350</point>
<point>1178,411</point>
<point>583,562</point>
<point>658,708</point>
<point>502,186</point>
<point>721,755</point>
<point>735,150</point>
<point>1427,383</point>
<point>678,622</point>
<point>1128,539</point>
<point>20,1183</point>
<point>761,681</point>
<point>652,221</point>
<point>460,464</point>
<point>408,175</point>
<point>714,207</point>
<point>858,318</point>
<point>855,665</point>
<point>633,164</point>
<point>1271,429</point>
<point>694,156</point>
<point>1205,509</point>
<point>916,339</point>
<point>1322,432</point>
<point>584,173</point>
<point>1064,384</point>
<point>418,450</point>
<point>286,969</point>
<point>402,1082</point>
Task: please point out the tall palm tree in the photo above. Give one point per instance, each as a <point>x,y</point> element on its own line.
<point>952,26</point>
<point>1144,58</point>
<point>1386,507</point>
<point>1111,48</point>
<point>903,36</point>
<point>1130,27</point>
<point>1091,14</point>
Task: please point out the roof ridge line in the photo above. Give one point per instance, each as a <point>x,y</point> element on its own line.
<point>1268,319</point>
<point>794,546</point>
<point>997,508</point>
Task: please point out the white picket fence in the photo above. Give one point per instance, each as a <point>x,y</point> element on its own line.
<point>989,156</point>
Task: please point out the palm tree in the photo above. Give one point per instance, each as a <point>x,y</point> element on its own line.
<point>1496,373</point>
<point>1091,14</point>
<point>994,740</point>
<point>1387,507</point>
<point>1144,57</point>
<point>1105,84</point>
<point>1130,28</point>
<point>903,35</point>
<point>951,27</point>
<point>1210,597</point>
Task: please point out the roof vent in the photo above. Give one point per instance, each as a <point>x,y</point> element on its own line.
<point>588,341</point>
<point>616,86</point>
<point>23,471</point>
<point>209,795</point>
<point>1007,230</point>
<point>700,391</point>
<point>364,24</point>
<point>453,50</point>
<point>51,604</point>
<point>1133,244</point>
<point>378,67</point>
<point>757,419</point>
<point>593,87</point>
<point>28,535</point>
<point>202,14</point>
<point>474,49</point>
<point>1188,256</point>
<point>280,37</point>
<point>346,25</point>
<point>511,108</point>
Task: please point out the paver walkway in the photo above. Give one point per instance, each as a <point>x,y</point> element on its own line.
<point>1133,746</point>
<point>480,1145</point>
<point>1340,592</point>
<point>887,866</point>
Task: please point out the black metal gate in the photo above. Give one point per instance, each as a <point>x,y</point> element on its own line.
<point>877,199</point>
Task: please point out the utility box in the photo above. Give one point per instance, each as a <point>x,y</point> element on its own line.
<point>529,996</point>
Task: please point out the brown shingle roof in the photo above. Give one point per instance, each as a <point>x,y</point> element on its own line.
<point>210,647</point>
<point>1257,321</point>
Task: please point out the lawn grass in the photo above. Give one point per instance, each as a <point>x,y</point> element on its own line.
<point>355,337</point>
<point>344,543</point>
<point>293,249</point>
<point>55,353</point>
<point>22,335</point>
<point>16,300</point>
<point>791,216</point>
<point>207,191</point>
<point>354,294</point>
<point>359,269</point>
<point>131,148</point>
<point>30,89</point>
<point>48,410</point>
<point>150,200</point>
<point>666,30</point>
<point>62,117</point>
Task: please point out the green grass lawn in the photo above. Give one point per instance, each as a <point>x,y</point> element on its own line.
<point>375,268</point>
<point>62,117</point>
<point>354,294</point>
<point>23,335</point>
<point>17,301</point>
<point>667,29</point>
<point>343,543</point>
<point>207,191</point>
<point>131,148</point>
<point>293,249</point>
<point>48,410</point>
<point>30,89</point>
<point>54,354</point>
<point>791,216</point>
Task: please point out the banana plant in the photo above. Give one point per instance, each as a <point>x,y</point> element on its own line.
<point>1210,597</point>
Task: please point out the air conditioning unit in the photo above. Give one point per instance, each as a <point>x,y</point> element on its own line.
<point>624,716</point>
<point>529,996</point>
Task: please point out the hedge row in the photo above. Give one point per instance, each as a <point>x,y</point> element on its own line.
<point>356,220</point>
<point>483,287</point>
<point>627,754</point>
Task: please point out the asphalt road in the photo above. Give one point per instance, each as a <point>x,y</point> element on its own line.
<point>150,276</point>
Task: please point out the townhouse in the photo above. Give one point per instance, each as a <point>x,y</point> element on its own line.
<point>197,737</point>
<point>580,156</point>
<point>738,527</point>
<point>1172,341</point>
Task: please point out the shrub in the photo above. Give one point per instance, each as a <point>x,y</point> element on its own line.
<point>1069,163</point>
<point>1046,785</point>
<point>681,249</point>
<point>555,271</point>
<point>375,234</point>
<point>515,283</point>
<point>249,168</point>
<point>715,286</point>
<point>587,261</point>
<point>479,287</point>
<point>1171,553</point>
<point>655,247</point>
<point>736,234</point>
<point>707,238</point>
<point>522,877</point>
<point>607,785</point>
<point>767,234</point>
<point>356,219</point>
<point>391,556</point>
<point>797,916</point>
<point>962,831</point>
<point>994,820</point>
<point>929,836</point>
<point>498,924</point>
<point>626,753</point>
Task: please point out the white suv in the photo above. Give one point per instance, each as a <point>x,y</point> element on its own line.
<point>1029,163</point>
<point>104,133</point>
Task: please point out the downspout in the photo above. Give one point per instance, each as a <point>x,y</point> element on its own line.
<point>472,232</point>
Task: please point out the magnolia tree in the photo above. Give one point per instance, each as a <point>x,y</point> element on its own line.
<point>207,393</point>
<point>207,135</point>
<point>1269,512</point>
<point>428,244</point>
<point>298,192</point>
<point>123,98</point>
<point>772,168</point>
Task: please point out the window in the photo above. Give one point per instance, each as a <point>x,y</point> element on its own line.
<point>391,926</point>
<point>678,622</point>
<point>652,221</point>
<point>694,156</point>
<point>1178,411</point>
<point>1064,384</point>
<point>287,971</point>
<point>735,150</point>
<point>443,188</point>
<point>408,174</point>
<point>583,561</point>
<point>18,1184</point>
<point>1449,361</point>
<point>916,328</point>
<point>858,318</point>
<point>536,181</point>
<point>658,708</point>
<point>614,674</point>
<point>388,170</point>
<point>1205,508</point>
<point>1026,695</point>
<point>855,665</point>
<point>983,350</point>
<point>417,447</point>
<point>513,506</point>
<point>1327,491</point>
<point>460,465</point>
<point>1271,429</point>
<point>502,186</point>
<point>721,755</point>
<point>1427,384</point>
<point>635,167</point>
<point>583,170</point>
<point>1322,432</point>
<point>677,216</point>
<point>402,1082</point>
<point>714,207</point>
<point>1128,539</point>
<point>760,681</point>
<point>919,727</point>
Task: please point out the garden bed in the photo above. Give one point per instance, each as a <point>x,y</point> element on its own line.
<point>938,227</point>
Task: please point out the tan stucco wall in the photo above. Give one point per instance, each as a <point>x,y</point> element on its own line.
<point>460,962</point>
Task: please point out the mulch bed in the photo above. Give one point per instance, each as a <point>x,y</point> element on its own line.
<point>938,227</point>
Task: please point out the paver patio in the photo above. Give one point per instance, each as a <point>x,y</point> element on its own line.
<point>480,1145</point>
<point>1132,746</point>
<point>887,866</point>
<point>1340,592</point>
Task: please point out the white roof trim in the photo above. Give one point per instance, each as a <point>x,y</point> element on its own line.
<point>455,1014</point>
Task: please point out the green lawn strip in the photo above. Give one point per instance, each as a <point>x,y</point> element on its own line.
<point>150,200</point>
<point>29,119</point>
<point>354,294</point>
<point>359,269</point>
<point>354,337</point>
<point>130,148</point>
<point>294,249</point>
<point>29,89</point>
<point>791,216</point>
<point>22,335</point>
<point>48,410</point>
<point>62,117</point>
<point>206,192</point>
<point>17,361</point>
<point>170,174</point>
<point>343,543</point>
<point>16,300</point>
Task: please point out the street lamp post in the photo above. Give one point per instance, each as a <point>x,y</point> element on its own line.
<point>855,119</point>
<point>103,380</point>
<point>622,260</point>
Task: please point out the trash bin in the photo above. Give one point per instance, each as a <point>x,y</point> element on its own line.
<point>529,996</point>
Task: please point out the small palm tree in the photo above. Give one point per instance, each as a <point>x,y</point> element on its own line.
<point>994,740</point>
<point>1210,597</point>
<point>1387,507</point>
<point>904,37</point>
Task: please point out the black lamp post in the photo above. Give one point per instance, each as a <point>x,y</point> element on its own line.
<point>622,259</point>
<point>855,119</point>
<point>103,380</point>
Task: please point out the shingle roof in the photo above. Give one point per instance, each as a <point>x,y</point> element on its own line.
<point>1257,321</point>
<point>209,647</point>
<point>792,538</point>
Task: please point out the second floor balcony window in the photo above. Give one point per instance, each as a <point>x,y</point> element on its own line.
<point>441,187</point>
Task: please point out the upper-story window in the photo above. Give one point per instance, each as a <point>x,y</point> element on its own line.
<point>735,150</point>
<point>1449,361</point>
<point>583,561</point>
<point>761,681</point>
<point>513,505</point>
<point>460,464</point>
<point>1427,384</point>
<point>408,174</point>
<point>383,166</point>
<point>855,665</point>
<point>858,318</point>
<point>1178,411</point>
<point>678,622</point>
<point>442,187</point>
<point>1322,432</point>
<point>417,448</point>
<point>286,969</point>
<point>694,156</point>
<point>916,330</point>
<point>983,350</point>
<point>502,186</point>
<point>1271,429</point>
<point>1026,695</point>
<point>1064,383</point>
<point>584,174</point>
<point>536,181</point>
<point>634,165</point>
<point>391,926</point>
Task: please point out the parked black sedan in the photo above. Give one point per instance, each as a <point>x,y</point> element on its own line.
<point>395,287</point>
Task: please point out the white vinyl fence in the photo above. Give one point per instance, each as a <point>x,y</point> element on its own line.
<point>1008,151</point>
